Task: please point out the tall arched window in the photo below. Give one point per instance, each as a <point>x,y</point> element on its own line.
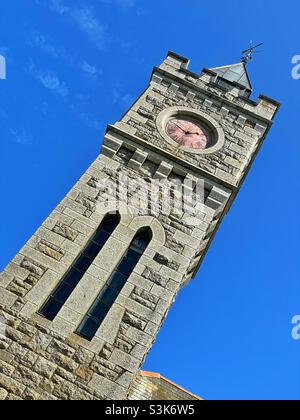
<point>114,285</point>
<point>71,279</point>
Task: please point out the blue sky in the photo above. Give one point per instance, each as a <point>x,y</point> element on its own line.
<point>75,66</point>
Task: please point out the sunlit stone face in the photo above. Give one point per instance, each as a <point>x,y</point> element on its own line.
<point>188,133</point>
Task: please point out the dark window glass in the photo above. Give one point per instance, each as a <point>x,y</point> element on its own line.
<point>127,266</point>
<point>109,226</point>
<point>99,310</point>
<point>110,296</point>
<point>132,254</point>
<point>92,250</point>
<point>83,263</point>
<point>63,292</point>
<point>73,277</point>
<point>101,237</point>
<point>79,267</point>
<point>140,244</point>
<point>51,309</point>
<point>118,280</point>
<point>89,328</point>
<point>114,285</point>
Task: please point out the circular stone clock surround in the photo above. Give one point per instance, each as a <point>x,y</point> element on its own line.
<point>217,137</point>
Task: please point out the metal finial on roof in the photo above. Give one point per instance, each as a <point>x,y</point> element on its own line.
<point>248,54</point>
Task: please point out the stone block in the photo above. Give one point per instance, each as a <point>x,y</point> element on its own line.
<point>11,385</point>
<point>3,394</point>
<point>124,360</point>
<point>65,231</point>
<point>235,163</point>
<point>17,271</point>
<point>260,128</point>
<point>83,356</point>
<point>5,279</point>
<point>207,103</point>
<point>173,88</point>
<point>63,328</point>
<point>58,347</point>
<point>7,298</point>
<point>190,96</point>
<point>50,250</point>
<point>110,326</point>
<point>44,368</point>
<point>162,292</point>
<point>157,79</point>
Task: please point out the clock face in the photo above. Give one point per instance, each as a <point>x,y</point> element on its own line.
<point>188,133</point>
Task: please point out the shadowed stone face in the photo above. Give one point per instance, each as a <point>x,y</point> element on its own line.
<point>2,328</point>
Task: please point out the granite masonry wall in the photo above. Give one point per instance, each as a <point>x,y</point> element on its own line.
<point>47,360</point>
<point>40,359</point>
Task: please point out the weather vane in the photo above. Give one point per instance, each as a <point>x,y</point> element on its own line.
<point>248,54</point>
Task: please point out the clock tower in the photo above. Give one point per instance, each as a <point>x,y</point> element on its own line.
<point>85,298</point>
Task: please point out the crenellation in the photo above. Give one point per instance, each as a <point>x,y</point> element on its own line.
<point>207,79</point>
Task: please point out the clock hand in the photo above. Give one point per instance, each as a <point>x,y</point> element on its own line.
<point>179,127</point>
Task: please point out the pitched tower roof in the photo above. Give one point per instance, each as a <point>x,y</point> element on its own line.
<point>235,73</point>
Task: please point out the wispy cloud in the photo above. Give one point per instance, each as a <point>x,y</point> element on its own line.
<point>88,68</point>
<point>125,99</point>
<point>89,121</point>
<point>126,5</point>
<point>3,113</point>
<point>58,6</point>
<point>37,40</point>
<point>21,136</point>
<point>80,107</point>
<point>122,3</point>
<point>49,81</point>
<point>3,50</point>
<point>85,20</point>
<point>76,103</point>
<point>90,25</point>
<point>91,72</point>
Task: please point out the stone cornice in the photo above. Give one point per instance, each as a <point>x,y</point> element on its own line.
<point>170,156</point>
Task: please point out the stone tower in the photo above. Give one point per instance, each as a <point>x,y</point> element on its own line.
<point>82,302</point>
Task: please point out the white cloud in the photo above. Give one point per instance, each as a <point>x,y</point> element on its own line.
<point>52,82</point>
<point>126,99</point>
<point>88,68</point>
<point>90,25</point>
<point>122,3</point>
<point>126,3</point>
<point>58,6</point>
<point>37,40</point>
<point>3,50</point>
<point>21,136</point>
<point>89,121</point>
<point>80,106</point>
<point>3,113</point>
<point>49,81</point>
<point>85,20</point>
<point>91,72</point>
